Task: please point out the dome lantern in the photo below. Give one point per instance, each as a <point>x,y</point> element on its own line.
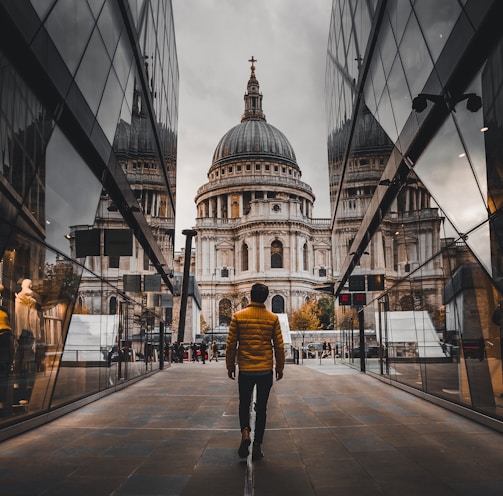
<point>253,97</point>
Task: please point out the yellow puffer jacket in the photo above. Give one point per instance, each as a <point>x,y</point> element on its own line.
<point>4,320</point>
<point>253,334</point>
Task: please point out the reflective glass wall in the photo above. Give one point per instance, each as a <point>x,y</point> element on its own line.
<point>429,74</point>
<point>88,132</point>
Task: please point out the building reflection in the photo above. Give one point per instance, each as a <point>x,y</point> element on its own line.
<point>428,212</point>
<point>87,198</point>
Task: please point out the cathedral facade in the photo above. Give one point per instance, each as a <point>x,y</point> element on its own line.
<point>254,221</point>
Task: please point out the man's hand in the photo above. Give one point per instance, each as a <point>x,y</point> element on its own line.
<point>231,373</point>
<point>279,375</point>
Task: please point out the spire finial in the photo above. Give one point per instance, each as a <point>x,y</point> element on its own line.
<point>253,60</point>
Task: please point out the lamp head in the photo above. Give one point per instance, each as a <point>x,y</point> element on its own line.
<point>419,103</point>
<point>474,103</point>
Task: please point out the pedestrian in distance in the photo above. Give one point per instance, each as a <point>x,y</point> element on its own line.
<point>214,352</point>
<point>193,347</point>
<point>179,352</point>
<point>254,342</point>
<point>202,348</point>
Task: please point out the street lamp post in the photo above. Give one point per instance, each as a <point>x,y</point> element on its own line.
<point>189,233</point>
<point>361,325</point>
<point>212,304</point>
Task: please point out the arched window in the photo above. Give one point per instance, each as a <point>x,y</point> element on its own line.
<point>278,304</point>
<point>304,257</point>
<point>224,312</point>
<point>244,257</point>
<point>112,306</point>
<point>276,255</point>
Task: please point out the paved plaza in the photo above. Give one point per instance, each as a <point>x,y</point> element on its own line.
<point>331,431</point>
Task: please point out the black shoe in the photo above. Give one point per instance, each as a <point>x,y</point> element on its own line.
<point>257,453</point>
<point>244,447</point>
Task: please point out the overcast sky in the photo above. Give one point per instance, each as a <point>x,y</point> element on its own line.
<point>215,39</point>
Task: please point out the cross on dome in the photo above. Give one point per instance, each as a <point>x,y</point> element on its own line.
<point>253,60</point>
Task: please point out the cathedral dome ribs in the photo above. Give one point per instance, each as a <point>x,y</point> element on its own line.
<point>254,138</point>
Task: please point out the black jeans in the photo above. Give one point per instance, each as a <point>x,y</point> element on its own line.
<point>246,384</point>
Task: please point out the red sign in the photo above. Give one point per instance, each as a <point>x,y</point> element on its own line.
<point>359,299</point>
<point>345,299</point>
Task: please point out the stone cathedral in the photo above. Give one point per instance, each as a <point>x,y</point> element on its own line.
<point>254,221</point>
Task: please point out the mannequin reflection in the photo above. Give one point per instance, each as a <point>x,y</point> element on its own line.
<point>27,326</point>
<point>26,310</point>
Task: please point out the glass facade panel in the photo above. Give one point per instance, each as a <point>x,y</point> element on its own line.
<point>75,168</point>
<point>399,95</point>
<point>386,116</point>
<point>431,226</point>
<point>436,20</point>
<point>110,106</point>
<point>69,25</point>
<point>72,192</point>
<point>416,60</point>
<point>42,7</point>
<point>443,168</point>
<point>398,13</point>
<point>109,27</point>
<point>93,71</point>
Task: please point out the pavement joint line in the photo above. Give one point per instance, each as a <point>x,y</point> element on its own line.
<point>212,429</point>
<point>250,473</point>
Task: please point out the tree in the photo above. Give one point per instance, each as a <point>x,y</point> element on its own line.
<point>345,318</point>
<point>325,311</point>
<point>305,317</point>
<point>204,326</point>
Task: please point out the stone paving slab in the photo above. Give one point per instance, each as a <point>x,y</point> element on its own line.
<point>331,430</point>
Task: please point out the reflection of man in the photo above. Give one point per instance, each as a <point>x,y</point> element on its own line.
<point>254,336</point>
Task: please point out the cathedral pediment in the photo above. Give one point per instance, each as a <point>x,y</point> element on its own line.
<point>224,244</point>
<point>321,243</point>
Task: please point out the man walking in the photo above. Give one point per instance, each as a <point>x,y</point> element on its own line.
<point>202,349</point>
<point>214,351</point>
<point>255,340</point>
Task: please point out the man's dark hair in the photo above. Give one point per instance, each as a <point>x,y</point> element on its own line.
<point>259,293</point>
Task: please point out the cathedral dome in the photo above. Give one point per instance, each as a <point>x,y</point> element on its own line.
<point>254,138</point>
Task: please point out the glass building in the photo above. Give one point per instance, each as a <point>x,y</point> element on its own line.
<point>414,103</point>
<point>88,136</point>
